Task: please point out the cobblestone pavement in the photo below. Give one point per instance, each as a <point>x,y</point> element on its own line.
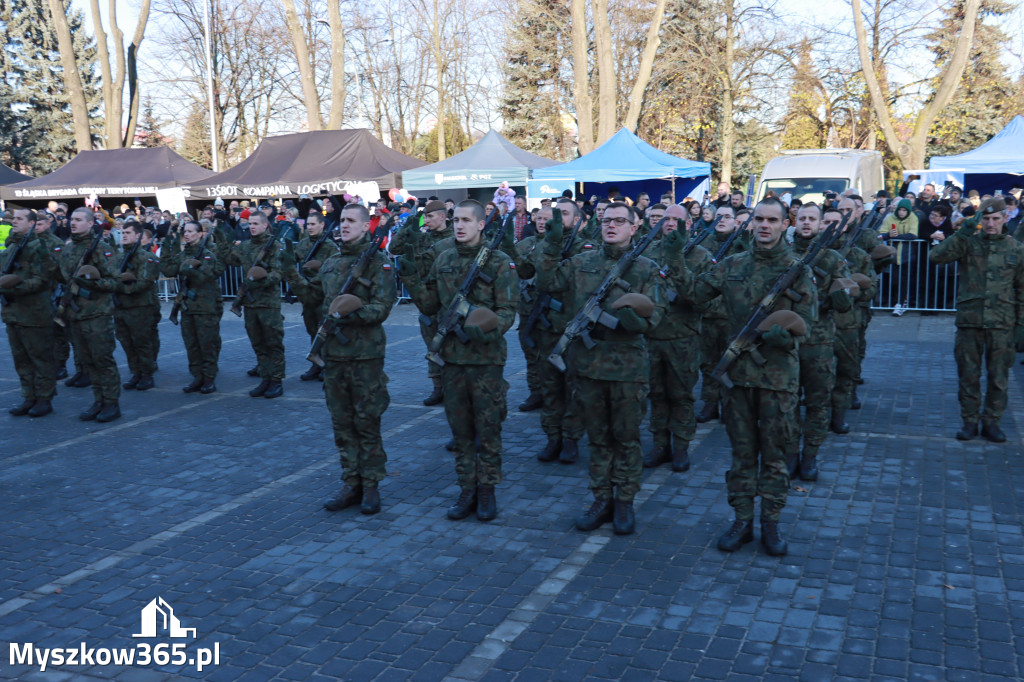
<point>906,559</point>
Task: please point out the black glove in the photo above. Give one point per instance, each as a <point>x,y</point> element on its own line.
<point>674,242</point>
<point>554,230</point>
<point>840,300</point>
<point>630,321</point>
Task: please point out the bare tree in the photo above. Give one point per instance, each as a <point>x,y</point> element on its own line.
<point>114,76</point>
<point>72,79</point>
<point>310,95</point>
<point>636,96</point>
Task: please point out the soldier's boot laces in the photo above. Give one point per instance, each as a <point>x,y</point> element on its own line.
<point>991,431</point>
<point>371,500</point>
<point>22,409</point>
<point>464,506</point>
<point>132,383</point>
<point>437,395</point>
<point>260,390</point>
<point>792,464</point>
<point>312,373</point>
<point>658,454</point>
<point>739,534</point>
<point>349,496</point>
<point>708,412</point>
<point>680,456</point>
<point>570,451</point>
<point>772,539</point>
<point>838,424</point>
<point>41,408</point>
<point>194,386</point>
<point>624,518</point>
<point>531,403</point>
<point>274,390</point>
<point>809,464</point>
<point>145,383</point>
<point>599,513</point>
<point>968,431</point>
<point>109,413</point>
<point>91,413</point>
<point>550,452</point>
<point>487,504</point>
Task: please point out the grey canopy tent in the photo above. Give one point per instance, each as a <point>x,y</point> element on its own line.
<point>9,175</point>
<point>318,162</point>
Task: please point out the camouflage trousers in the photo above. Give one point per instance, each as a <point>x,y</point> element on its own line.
<point>201,336</point>
<point>62,346</point>
<point>94,346</point>
<point>612,412</point>
<point>135,330</point>
<point>560,412</point>
<point>474,403</point>
<point>265,327</point>
<point>155,327</point>
<point>847,351</point>
<point>357,396</point>
<point>32,349</point>
<point>311,318</point>
<point>675,367</point>
<point>817,379</point>
<point>995,348</point>
<point>714,339</point>
<point>433,370</point>
<point>862,336</point>
<point>759,422</point>
<point>534,359</point>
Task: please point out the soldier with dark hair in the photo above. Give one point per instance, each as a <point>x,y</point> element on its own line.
<point>311,296</point>
<point>133,316</point>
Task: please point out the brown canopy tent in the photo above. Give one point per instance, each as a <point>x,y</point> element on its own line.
<point>117,173</point>
<point>9,175</point>
<point>314,163</point>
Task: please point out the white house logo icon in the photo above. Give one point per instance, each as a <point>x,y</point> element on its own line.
<point>160,611</point>
<point>438,178</point>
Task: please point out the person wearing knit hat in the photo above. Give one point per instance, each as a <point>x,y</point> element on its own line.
<point>901,226</point>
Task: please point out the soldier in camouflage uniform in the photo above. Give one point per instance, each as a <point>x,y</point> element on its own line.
<point>264,323</point>
<point>474,388</point>
<point>355,385</point>
<point>714,336</point>
<point>560,412</point>
<point>674,349</point>
<point>417,243</point>
<point>524,250</point>
<point>817,351</point>
<point>61,335</point>
<point>611,378</point>
<point>989,315</point>
<point>199,275</point>
<point>27,312</point>
<point>760,407</point>
<point>311,297</point>
<point>133,316</point>
<point>91,315</point>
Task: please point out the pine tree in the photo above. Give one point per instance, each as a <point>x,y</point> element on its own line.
<point>456,140</point>
<point>802,124</point>
<point>40,137</point>
<point>195,141</point>
<point>148,134</point>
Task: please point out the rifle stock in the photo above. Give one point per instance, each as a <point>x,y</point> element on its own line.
<point>243,294</point>
<point>72,289</point>
<point>545,302</point>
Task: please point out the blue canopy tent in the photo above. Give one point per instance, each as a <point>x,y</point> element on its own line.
<point>996,165</point>
<point>627,163</point>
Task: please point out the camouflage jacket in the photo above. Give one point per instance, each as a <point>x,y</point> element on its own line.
<point>365,327</point>
<point>54,245</point>
<point>300,279</point>
<point>202,281</point>
<point>742,280</point>
<point>715,308</point>
<point>422,247</point>
<point>682,318</point>
<point>831,267</point>
<point>142,291</point>
<point>441,285</point>
<point>857,261</point>
<point>527,268</point>
<point>618,355</point>
<point>991,287</point>
<point>28,303</point>
<point>95,299</point>
<point>266,293</point>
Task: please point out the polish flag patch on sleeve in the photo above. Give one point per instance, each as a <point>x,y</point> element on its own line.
<point>512,265</point>
<point>386,266</point>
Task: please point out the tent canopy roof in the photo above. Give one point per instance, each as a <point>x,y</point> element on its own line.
<point>489,162</point>
<point>317,162</point>
<point>1004,153</point>
<point>121,173</point>
<point>9,175</point>
<point>624,157</point>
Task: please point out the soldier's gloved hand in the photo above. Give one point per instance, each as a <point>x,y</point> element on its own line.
<point>778,337</point>
<point>840,300</point>
<point>630,321</point>
<point>478,335</point>
<point>884,263</point>
<point>674,243</point>
<point>970,225</point>
<point>554,231</point>
<point>508,240</point>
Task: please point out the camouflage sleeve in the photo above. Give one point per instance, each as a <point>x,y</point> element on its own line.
<point>404,241</point>
<point>698,288</point>
<point>653,289</point>
<point>383,294</point>
<point>210,268</point>
<point>1018,285</point>
<point>807,306</point>
<point>37,272</point>
<point>523,257</point>
<point>274,272</point>
<point>108,280</point>
<point>552,274</point>
<point>506,296</point>
<point>145,275</point>
<point>425,295</point>
<point>950,249</point>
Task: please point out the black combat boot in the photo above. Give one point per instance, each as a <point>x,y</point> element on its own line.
<point>838,424</point>
<point>145,383</point>
<point>623,518</point>
<point>991,431</point>
<point>91,413</point>
<point>194,386</point>
<point>739,534</point>
<point>256,392</point>
<point>487,504</point>
<point>371,500</point>
<point>680,456</point>
<point>809,463</point>
<point>658,454</point>
<point>600,513</point>
<point>79,380</point>
<point>533,402</point>
<point>311,374</point>
<point>208,387</point>
<point>41,409</point>
<point>551,450</point>
<point>772,539</point>
<point>707,413</point>
<point>254,372</point>
<point>968,432</point>
<point>349,496</point>
<point>792,464</point>
<point>464,506</point>
<point>570,451</point>
<point>274,390</point>
<point>22,409</point>
<point>437,395</point>
<point>131,383</point>
<point>450,445</point>
<point>855,401</point>
<point>109,413</point>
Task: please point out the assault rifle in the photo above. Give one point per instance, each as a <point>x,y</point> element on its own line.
<point>451,321</point>
<point>185,293</point>
<point>356,275</point>
<point>670,294</point>
<point>124,266</point>
<point>289,295</point>
<point>244,295</point>
<point>71,289</point>
<point>874,221</point>
<point>13,263</point>
<point>591,313</point>
<point>746,340</point>
<point>723,250</point>
<point>545,302</point>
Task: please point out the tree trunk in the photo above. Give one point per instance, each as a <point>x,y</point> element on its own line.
<point>116,111</point>
<point>337,65</point>
<point>72,79</point>
<point>439,66</point>
<point>607,114</point>
<point>728,94</point>
<point>103,53</point>
<point>636,97</point>
<point>581,78</point>
<point>306,76</point>
<point>133,90</point>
